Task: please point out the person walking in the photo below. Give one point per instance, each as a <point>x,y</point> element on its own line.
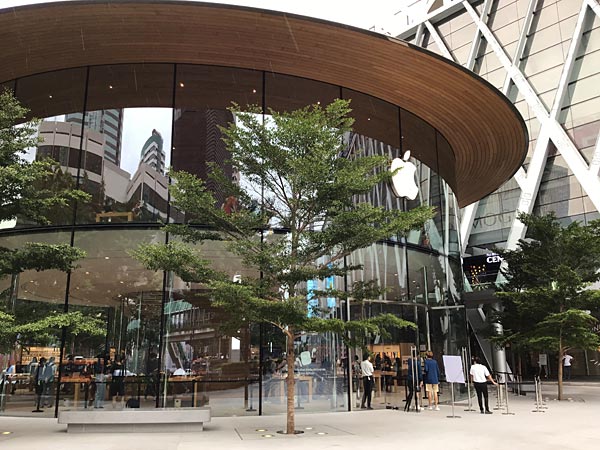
<point>480,375</point>
<point>366,368</point>
<point>567,364</point>
<point>432,381</point>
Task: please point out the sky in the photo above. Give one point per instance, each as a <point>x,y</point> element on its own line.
<point>377,15</point>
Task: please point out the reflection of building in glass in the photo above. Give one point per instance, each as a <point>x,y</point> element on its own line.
<point>197,139</point>
<point>108,122</point>
<point>117,196</point>
<point>153,154</point>
<point>167,332</point>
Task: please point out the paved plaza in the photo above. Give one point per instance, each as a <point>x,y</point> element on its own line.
<point>570,424</point>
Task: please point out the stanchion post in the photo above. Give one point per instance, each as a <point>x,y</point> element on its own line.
<point>506,412</point>
<point>251,409</point>
<point>453,416</point>
<point>466,366</point>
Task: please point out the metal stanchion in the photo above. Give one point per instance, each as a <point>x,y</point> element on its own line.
<point>506,412</point>
<point>499,403</point>
<point>453,416</point>
<point>466,368</point>
<point>538,395</point>
<point>251,398</point>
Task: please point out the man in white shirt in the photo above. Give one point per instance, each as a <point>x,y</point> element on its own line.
<point>366,368</point>
<point>567,365</point>
<point>480,376</point>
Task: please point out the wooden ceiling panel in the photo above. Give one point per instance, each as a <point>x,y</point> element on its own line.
<point>486,134</point>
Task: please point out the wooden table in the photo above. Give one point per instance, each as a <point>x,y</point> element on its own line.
<point>307,378</point>
<point>378,376</point>
<point>77,381</point>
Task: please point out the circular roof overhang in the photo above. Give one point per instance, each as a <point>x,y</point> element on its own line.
<point>488,137</point>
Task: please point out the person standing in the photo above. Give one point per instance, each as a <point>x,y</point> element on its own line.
<point>48,381</point>
<point>432,381</point>
<point>567,363</point>
<point>414,382</point>
<point>480,375</point>
<point>366,368</point>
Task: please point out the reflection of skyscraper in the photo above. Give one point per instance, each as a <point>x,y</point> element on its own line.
<point>153,153</point>
<point>109,122</point>
<point>198,141</point>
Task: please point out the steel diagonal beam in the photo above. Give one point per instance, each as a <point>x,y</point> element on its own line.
<point>522,40</point>
<point>569,63</point>
<point>555,132</point>
<point>595,164</point>
<point>438,40</point>
<point>487,6</point>
<point>594,5</point>
<point>466,225</point>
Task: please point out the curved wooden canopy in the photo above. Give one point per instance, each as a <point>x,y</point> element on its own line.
<point>487,136</point>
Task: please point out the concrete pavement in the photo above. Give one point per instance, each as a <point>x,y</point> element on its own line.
<point>564,425</point>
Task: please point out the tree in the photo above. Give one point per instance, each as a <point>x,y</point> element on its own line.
<point>27,192</point>
<point>546,303</point>
<point>297,183</point>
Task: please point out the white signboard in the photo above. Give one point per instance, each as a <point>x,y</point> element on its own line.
<point>453,367</point>
<point>543,359</point>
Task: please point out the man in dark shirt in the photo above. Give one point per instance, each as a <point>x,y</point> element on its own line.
<point>432,381</point>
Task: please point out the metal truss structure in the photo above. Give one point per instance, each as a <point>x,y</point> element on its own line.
<point>545,123</point>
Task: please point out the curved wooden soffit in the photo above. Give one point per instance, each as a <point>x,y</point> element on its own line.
<point>486,133</point>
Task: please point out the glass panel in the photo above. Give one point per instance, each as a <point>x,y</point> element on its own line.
<point>31,296</point>
<point>374,118</point>
<point>202,365</point>
<point>121,367</point>
<point>49,96</point>
<point>127,131</point>
<point>382,194</point>
<point>544,60</point>
<point>287,93</point>
<point>385,263</point>
<point>203,95</point>
<point>427,278</point>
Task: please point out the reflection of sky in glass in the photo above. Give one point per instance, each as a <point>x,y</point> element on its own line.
<point>138,124</point>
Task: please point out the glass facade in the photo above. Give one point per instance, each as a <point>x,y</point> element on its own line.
<point>536,38</point>
<point>113,131</point>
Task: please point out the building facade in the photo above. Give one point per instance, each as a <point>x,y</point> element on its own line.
<point>544,55</point>
<point>164,332</point>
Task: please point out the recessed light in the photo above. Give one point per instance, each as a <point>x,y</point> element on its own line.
<point>254,91</point>
<point>318,103</point>
<point>50,96</point>
<point>107,257</point>
<point>321,433</point>
<point>261,430</point>
<point>122,282</point>
<point>181,85</point>
<point>87,273</point>
<point>308,428</point>
<point>368,118</point>
<point>110,86</point>
<point>267,435</point>
<point>6,432</point>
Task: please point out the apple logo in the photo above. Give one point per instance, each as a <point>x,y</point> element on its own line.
<point>403,180</point>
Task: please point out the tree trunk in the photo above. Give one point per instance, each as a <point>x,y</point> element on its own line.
<point>560,369</point>
<point>291,382</point>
